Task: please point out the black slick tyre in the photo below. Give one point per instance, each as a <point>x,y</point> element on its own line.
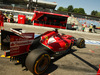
<point>80,43</point>
<point>37,61</point>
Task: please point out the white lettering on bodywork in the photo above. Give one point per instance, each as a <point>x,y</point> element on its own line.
<point>20,43</point>
<point>51,40</point>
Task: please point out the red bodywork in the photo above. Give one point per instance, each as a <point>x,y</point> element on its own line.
<point>56,42</point>
<point>20,43</point>
<point>1,20</point>
<point>98,73</point>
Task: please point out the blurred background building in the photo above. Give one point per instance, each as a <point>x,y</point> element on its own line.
<point>27,4</point>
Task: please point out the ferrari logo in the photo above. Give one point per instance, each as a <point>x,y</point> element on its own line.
<point>46,37</point>
<point>66,45</point>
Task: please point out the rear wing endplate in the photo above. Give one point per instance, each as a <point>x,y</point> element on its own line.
<point>15,43</point>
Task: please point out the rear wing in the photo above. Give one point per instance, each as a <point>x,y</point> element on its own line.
<point>15,43</point>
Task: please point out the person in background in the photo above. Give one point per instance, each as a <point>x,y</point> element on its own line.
<point>73,24</point>
<point>29,20</point>
<point>6,16</point>
<point>1,21</point>
<point>77,28</point>
<point>90,28</point>
<point>11,17</point>
<point>94,27</point>
<point>83,27</point>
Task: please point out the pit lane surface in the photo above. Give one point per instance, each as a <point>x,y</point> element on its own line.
<point>83,61</point>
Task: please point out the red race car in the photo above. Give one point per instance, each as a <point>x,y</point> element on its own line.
<point>38,52</point>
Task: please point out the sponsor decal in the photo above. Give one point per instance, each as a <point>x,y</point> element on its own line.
<point>21,17</point>
<point>20,43</point>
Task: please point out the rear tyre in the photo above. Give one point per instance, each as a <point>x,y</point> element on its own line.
<point>80,43</point>
<point>37,61</point>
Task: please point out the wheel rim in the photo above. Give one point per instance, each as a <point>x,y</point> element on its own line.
<point>82,43</point>
<point>42,64</point>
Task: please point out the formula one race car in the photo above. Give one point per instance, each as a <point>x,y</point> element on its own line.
<point>38,51</point>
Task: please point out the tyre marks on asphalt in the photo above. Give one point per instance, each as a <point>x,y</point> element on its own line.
<point>91,51</point>
<point>96,47</point>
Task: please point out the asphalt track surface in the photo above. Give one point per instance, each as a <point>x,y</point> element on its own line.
<point>83,61</point>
